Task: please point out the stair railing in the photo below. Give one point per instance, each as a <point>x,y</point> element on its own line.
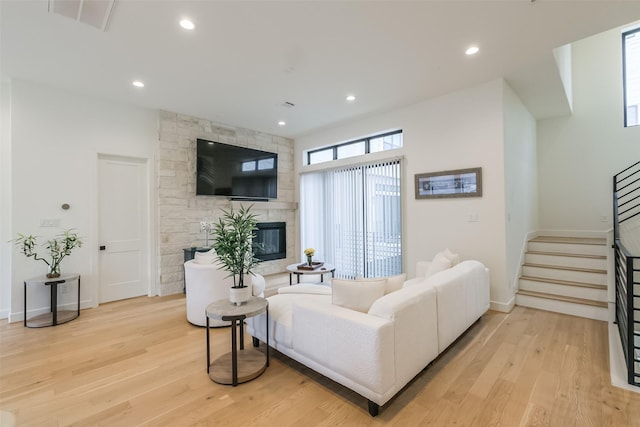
<point>626,205</point>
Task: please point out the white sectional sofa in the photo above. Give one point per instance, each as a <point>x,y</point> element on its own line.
<point>376,353</point>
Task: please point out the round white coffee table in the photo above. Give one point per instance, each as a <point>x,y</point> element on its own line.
<point>322,270</point>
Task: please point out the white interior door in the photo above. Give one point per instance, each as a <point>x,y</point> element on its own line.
<point>123,224</point>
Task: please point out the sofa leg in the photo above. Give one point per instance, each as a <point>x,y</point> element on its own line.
<point>256,342</point>
<point>374,408</point>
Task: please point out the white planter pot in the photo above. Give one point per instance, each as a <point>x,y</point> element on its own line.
<point>239,295</point>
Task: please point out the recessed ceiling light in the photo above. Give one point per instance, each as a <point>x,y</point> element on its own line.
<point>282,123</point>
<point>187,24</point>
<point>472,50</point>
<point>351,98</point>
<point>138,83</point>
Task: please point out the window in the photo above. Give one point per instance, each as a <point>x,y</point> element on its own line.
<point>631,76</point>
<point>350,150</point>
<point>373,144</point>
<point>352,217</point>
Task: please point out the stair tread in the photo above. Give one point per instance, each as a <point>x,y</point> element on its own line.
<point>562,267</point>
<point>571,240</point>
<point>564,282</point>
<point>567,254</point>
<point>574,300</point>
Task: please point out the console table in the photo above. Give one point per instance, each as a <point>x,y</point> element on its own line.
<point>241,365</point>
<point>293,269</point>
<point>55,317</point>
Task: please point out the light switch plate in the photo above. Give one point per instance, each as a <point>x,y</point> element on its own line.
<point>50,222</point>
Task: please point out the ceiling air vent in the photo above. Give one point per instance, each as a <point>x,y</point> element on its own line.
<point>92,12</point>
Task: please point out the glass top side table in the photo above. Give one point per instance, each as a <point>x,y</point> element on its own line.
<point>55,316</point>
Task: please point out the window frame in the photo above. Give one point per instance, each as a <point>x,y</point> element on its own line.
<point>334,148</point>
<point>625,107</point>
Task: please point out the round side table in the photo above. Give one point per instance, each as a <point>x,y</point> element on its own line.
<point>240,365</point>
<point>324,269</point>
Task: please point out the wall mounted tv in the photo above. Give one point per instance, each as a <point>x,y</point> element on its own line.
<point>235,172</point>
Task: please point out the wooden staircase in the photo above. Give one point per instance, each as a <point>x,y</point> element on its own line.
<point>566,275</point>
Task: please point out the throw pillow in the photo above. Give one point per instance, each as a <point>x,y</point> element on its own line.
<point>439,263</point>
<point>357,295</point>
<point>393,282</point>
<point>208,257</point>
<point>454,258</point>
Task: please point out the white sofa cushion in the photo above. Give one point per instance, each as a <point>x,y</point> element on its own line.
<point>413,282</point>
<point>208,257</point>
<point>413,311</point>
<point>462,295</point>
<point>346,345</point>
<point>280,318</point>
<point>305,288</point>
<point>357,294</point>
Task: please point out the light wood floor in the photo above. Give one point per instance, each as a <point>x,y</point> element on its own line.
<point>138,362</point>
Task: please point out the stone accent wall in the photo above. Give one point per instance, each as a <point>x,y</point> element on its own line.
<point>180,210</point>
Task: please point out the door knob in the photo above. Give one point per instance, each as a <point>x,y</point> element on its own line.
<point>102,247</point>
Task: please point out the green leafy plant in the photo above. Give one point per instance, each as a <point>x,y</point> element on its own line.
<point>59,247</point>
<point>233,235</point>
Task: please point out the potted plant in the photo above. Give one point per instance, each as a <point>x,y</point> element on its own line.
<point>233,235</point>
<point>59,247</point>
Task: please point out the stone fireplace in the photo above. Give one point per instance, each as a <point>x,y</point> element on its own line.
<point>180,211</point>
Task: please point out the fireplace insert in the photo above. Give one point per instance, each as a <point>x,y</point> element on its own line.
<point>271,241</point>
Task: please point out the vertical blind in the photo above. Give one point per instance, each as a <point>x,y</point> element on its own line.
<point>352,217</point>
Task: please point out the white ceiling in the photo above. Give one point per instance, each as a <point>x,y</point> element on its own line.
<point>246,58</point>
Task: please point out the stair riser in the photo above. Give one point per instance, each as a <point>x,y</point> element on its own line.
<point>588,311</point>
<point>569,248</point>
<point>569,291</point>
<point>566,261</point>
<point>573,276</point>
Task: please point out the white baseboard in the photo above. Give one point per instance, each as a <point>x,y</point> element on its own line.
<point>503,307</point>
<point>617,366</point>
<point>4,314</point>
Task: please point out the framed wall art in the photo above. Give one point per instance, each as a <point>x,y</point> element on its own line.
<point>454,183</point>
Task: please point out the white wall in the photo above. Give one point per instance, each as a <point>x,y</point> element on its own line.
<point>56,136</point>
<point>562,56</point>
<point>520,181</point>
<point>5,197</point>
<point>459,130</point>
<point>578,155</point>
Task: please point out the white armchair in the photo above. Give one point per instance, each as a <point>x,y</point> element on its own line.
<point>205,283</point>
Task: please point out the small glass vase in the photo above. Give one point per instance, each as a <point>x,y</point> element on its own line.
<point>309,260</point>
<point>54,271</point>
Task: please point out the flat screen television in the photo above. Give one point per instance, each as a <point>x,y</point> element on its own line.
<point>235,172</point>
